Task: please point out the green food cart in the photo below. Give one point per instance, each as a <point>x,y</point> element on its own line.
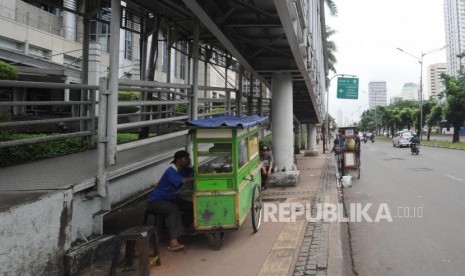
<point>227,174</point>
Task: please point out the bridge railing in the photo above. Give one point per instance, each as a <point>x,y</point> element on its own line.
<point>35,116</point>
<point>161,105</point>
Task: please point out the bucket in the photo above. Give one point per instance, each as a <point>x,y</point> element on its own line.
<point>347,181</point>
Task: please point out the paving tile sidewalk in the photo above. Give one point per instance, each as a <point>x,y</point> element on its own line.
<point>314,252</point>
<point>272,251</point>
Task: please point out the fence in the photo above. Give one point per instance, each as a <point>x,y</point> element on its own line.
<point>156,107</point>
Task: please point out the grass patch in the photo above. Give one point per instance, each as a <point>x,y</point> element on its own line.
<point>444,144</point>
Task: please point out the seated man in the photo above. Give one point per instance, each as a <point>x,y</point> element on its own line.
<point>164,199</point>
<point>267,166</point>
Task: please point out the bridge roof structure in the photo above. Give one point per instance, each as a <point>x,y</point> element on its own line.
<point>263,36</point>
<point>259,34</point>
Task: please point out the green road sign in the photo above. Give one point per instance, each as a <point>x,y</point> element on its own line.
<point>347,88</point>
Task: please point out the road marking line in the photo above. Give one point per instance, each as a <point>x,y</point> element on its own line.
<point>453,177</point>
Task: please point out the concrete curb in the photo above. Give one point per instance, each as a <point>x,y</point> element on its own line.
<point>432,146</point>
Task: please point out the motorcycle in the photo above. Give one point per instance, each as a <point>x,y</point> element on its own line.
<point>365,139</point>
<point>372,138</point>
<point>415,148</point>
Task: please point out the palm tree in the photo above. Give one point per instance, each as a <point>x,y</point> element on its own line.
<point>332,7</point>
<point>329,45</point>
<point>331,49</point>
<point>434,117</point>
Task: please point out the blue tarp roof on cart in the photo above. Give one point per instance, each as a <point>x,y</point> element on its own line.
<point>228,121</point>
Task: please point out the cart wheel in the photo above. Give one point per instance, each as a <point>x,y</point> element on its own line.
<point>216,239</point>
<point>256,208</point>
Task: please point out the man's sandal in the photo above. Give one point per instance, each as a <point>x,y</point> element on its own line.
<point>176,248</point>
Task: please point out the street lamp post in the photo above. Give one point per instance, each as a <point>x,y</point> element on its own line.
<point>326,140</point>
<point>420,96</point>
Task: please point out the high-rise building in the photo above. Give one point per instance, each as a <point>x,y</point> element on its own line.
<point>395,99</point>
<point>377,93</point>
<point>339,121</point>
<point>454,16</point>
<point>435,84</point>
<point>410,91</point>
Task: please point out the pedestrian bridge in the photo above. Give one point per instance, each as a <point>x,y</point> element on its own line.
<point>257,48</point>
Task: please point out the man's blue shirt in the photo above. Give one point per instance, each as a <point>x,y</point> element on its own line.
<point>168,185</point>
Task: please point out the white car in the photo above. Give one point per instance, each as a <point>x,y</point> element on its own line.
<point>402,138</point>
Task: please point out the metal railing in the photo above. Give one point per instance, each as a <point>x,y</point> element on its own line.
<point>160,109</point>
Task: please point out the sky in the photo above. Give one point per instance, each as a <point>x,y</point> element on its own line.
<point>368,33</point>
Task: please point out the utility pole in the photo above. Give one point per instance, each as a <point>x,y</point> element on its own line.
<point>420,96</point>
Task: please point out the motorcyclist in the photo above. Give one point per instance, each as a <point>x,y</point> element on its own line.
<point>414,142</point>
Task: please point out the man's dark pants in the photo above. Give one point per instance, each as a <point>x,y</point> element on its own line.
<point>172,210</point>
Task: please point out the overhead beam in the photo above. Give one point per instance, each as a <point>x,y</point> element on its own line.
<point>213,28</point>
<point>255,9</point>
<point>265,46</point>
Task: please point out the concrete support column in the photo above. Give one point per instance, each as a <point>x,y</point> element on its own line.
<point>69,21</point>
<point>19,95</point>
<point>311,140</point>
<point>282,123</point>
<point>297,139</point>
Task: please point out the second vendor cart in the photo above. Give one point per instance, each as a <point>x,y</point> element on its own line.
<point>227,174</point>
<point>348,158</point>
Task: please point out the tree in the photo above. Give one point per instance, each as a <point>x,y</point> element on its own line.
<point>416,115</point>
<point>332,7</point>
<point>434,117</point>
<point>330,46</point>
<point>331,49</point>
<point>405,116</point>
<point>395,121</point>
<point>455,103</point>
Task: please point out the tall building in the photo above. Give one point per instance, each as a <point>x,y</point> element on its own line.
<point>339,121</point>
<point>410,91</point>
<point>395,99</point>
<point>377,93</point>
<point>454,17</point>
<point>435,84</point>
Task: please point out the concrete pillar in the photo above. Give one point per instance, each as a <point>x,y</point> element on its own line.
<point>19,96</point>
<point>69,21</point>
<point>311,140</point>
<point>282,123</point>
<point>297,140</point>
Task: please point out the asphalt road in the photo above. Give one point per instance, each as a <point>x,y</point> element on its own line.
<point>425,197</point>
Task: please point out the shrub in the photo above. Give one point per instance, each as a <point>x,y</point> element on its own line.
<point>8,72</point>
<point>180,108</point>
<point>28,153</point>
<point>128,96</point>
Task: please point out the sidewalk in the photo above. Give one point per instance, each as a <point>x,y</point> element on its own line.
<point>278,248</point>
